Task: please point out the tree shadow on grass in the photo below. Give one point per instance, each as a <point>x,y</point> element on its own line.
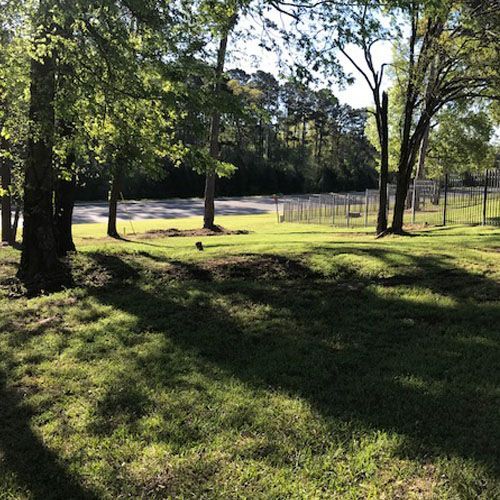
<point>436,274</point>
<point>36,468</point>
<point>371,357</point>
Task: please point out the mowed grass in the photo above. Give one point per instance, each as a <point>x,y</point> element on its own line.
<point>296,361</point>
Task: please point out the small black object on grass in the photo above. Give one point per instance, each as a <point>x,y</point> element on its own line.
<point>199,246</point>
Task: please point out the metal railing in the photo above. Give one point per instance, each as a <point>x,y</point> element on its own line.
<point>469,199</point>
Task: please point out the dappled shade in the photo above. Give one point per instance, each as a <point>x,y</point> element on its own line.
<point>404,346</point>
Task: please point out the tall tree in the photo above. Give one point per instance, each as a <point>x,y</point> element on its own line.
<point>381,102</point>
<point>344,26</point>
<point>130,61</point>
<point>451,54</point>
<point>226,26</point>
<point>40,267</point>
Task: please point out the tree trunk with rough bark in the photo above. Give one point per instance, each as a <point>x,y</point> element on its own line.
<point>420,173</point>
<point>384,165</point>
<point>406,163</point>
<point>423,154</point>
<point>409,151</point>
<point>65,186</point>
<point>40,268</point>
<point>113,204</point>
<point>209,212</point>
<point>415,128</point>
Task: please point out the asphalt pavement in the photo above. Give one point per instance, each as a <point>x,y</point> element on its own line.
<point>88,212</point>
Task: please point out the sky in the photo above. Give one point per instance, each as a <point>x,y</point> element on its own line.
<point>249,56</point>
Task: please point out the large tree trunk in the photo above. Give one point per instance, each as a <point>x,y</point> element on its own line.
<point>384,165</point>
<point>420,173</point>
<point>407,158</point>
<point>6,198</point>
<point>406,163</point>
<point>399,206</point>
<point>40,267</point>
<point>63,216</point>
<point>113,203</point>
<point>411,141</point>
<point>401,191</point>
<point>423,154</point>
<point>209,213</point>
<point>405,167</point>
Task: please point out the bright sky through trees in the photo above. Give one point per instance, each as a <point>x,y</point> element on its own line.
<point>249,55</point>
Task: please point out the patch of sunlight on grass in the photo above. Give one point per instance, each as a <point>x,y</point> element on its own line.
<point>324,363</point>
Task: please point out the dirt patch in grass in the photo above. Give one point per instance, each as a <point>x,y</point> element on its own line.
<point>98,270</point>
<point>102,271</point>
<point>173,232</point>
<point>421,487</point>
<point>258,267</point>
<point>244,267</point>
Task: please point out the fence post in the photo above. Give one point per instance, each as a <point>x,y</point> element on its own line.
<point>445,205</point>
<point>485,197</point>
<point>366,207</point>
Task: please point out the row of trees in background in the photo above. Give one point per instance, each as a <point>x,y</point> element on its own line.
<point>282,137</point>
<point>128,90</point>
<point>298,133</point>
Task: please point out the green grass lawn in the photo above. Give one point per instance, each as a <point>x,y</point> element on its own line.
<point>296,361</point>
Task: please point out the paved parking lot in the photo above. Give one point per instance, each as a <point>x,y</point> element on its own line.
<point>172,208</point>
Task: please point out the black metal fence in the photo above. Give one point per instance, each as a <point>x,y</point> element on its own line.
<point>467,199</point>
